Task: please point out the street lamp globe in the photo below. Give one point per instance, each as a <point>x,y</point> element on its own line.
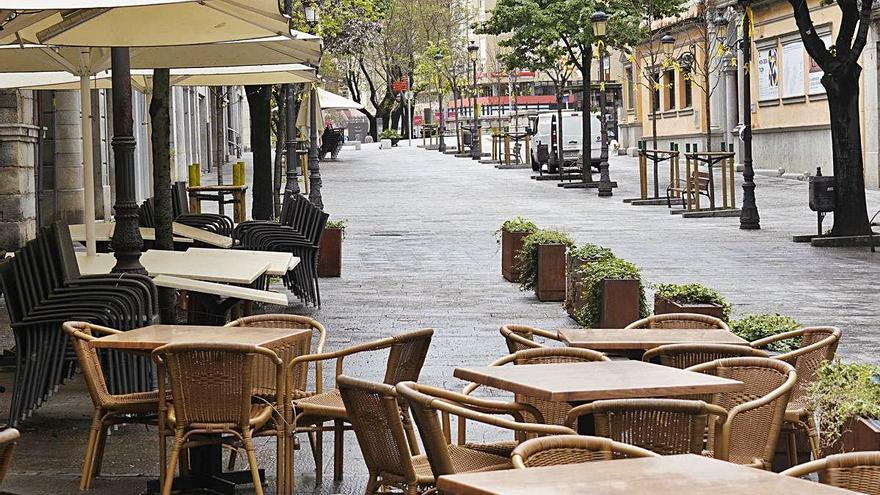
<point>310,13</point>
<point>438,57</point>
<point>721,25</point>
<point>668,43</point>
<point>473,51</point>
<point>599,19</point>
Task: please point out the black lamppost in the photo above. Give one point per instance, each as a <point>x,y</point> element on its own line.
<point>441,125</point>
<point>310,13</point>
<point>599,20</point>
<point>748,217</point>
<point>476,146</point>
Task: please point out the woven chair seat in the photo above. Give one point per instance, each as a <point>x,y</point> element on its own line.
<point>327,405</point>
<point>503,449</point>
<point>464,460</point>
<point>260,416</point>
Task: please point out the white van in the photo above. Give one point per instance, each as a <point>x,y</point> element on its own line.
<point>571,135</point>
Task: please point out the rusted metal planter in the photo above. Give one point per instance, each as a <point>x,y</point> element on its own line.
<point>550,285</point>
<point>330,253</point>
<point>620,302</point>
<point>664,306</point>
<point>511,245</point>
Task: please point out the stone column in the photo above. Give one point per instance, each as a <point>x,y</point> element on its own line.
<point>731,112</point>
<point>738,81</point>
<point>18,150</point>
<point>870,125</point>
<point>100,154</point>
<point>68,157</point>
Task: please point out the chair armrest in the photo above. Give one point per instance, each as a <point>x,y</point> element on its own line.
<point>463,412</point>
<point>761,343</point>
<point>339,356</point>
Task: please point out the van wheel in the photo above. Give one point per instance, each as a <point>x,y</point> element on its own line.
<point>535,165</point>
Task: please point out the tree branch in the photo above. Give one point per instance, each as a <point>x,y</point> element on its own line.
<point>862,36</point>
<point>849,20</point>
<point>812,42</point>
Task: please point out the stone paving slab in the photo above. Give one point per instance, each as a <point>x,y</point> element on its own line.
<point>419,252</point>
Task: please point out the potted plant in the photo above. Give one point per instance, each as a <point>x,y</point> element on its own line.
<point>612,293</point>
<point>574,260</point>
<point>541,264</point>
<point>690,298</point>
<point>846,397</point>
<point>759,326</point>
<point>330,249</point>
<point>511,236</point>
<point>391,134</point>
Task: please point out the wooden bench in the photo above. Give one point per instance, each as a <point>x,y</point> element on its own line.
<point>698,184</point>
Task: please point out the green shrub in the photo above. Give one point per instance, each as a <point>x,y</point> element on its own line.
<point>389,134</point>
<point>754,327</point>
<point>591,252</point>
<point>843,391</point>
<point>527,260</point>
<point>516,224</point>
<point>592,275</point>
<point>336,224</point>
<point>694,294</point>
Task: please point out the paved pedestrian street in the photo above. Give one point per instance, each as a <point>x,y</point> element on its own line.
<point>419,252</point>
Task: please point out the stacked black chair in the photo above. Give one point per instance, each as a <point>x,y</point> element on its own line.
<point>211,222</point>
<point>43,289</point>
<point>299,233</point>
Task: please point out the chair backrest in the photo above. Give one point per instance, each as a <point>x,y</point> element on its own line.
<point>756,412</point>
<point>211,383</point>
<point>407,356</point>
<point>313,345</point>
<point>179,199</point>
<point>81,335</point>
<point>8,440</point>
<point>818,344</point>
<point>664,426</point>
<point>679,320</point>
<point>856,471</point>
<point>520,337</point>
<point>147,213</point>
<point>686,355</point>
<point>572,449</point>
<point>375,417</point>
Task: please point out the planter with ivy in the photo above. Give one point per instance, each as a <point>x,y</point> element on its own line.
<point>574,260</point>
<point>612,294</point>
<point>690,298</point>
<point>541,264</point>
<point>846,397</point>
<point>511,236</point>
<point>391,134</point>
<point>330,249</point>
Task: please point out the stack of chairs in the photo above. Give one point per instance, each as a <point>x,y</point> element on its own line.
<point>43,288</point>
<point>211,222</point>
<point>298,232</point>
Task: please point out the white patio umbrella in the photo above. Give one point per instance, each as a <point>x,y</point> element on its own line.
<point>134,23</point>
<point>333,101</point>
<point>326,101</point>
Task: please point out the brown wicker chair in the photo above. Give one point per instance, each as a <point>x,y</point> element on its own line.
<point>405,359</point>
<point>376,420</point>
<point>818,344</point>
<point>686,355</point>
<point>425,402</point>
<point>679,320</point>
<point>522,337</point>
<point>856,471</point>
<point>572,449</point>
<point>754,414</point>
<point>212,388</point>
<point>8,440</point>
<point>663,426</point>
<point>109,409</point>
<point>555,413</point>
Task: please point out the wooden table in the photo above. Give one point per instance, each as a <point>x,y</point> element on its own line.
<point>206,466</point>
<point>279,263</point>
<point>201,235</point>
<point>239,194</point>
<point>104,233</point>
<point>668,475</point>
<point>642,339</point>
<point>180,264</point>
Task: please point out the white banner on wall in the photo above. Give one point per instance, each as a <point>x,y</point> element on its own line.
<point>768,73</point>
<point>793,69</point>
<point>816,72</point>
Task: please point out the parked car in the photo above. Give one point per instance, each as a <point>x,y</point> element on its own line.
<point>542,128</point>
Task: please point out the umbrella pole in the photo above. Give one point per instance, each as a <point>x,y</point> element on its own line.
<point>88,162</point>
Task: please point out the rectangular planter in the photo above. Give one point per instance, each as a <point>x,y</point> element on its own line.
<point>664,306</point>
<point>330,253</point>
<point>620,303</point>
<point>859,434</point>
<point>511,244</point>
<point>551,273</point>
<point>573,300</point>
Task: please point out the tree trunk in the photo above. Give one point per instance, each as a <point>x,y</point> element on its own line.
<point>707,100</point>
<point>851,211</point>
<point>280,135</point>
<point>258,102</point>
<point>559,138</point>
<point>160,120</point>
<point>653,112</point>
<point>374,132</point>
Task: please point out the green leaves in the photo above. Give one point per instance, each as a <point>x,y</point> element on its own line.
<point>842,391</point>
<point>592,275</point>
<point>754,327</point>
<point>694,294</point>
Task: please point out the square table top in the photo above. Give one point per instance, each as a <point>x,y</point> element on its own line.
<point>198,234</point>
<point>154,336</point>
<point>104,232</point>
<point>667,475</point>
<point>645,338</point>
<point>279,263</point>
<point>222,290</point>
<point>179,264</point>
<point>581,382</point>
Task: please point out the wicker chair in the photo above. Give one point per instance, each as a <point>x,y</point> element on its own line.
<point>211,401</point>
<point>663,426</point>
<point>376,420</point>
<point>856,471</point>
<point>554,413</point>
<point>679,320</point>
<point>754,414</point>
<point>818,344</point>
<point>686,355</point>
<point>572,449</point>
<point>8,440</point>
<point>425,402</point>
<point>109,409</point>
<point>522,337</point>
<point>405,359</point>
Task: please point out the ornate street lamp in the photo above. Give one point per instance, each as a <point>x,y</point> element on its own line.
<point>310,14</point>
<point>748,218</point>
<point>667,42</point>
<point>599,20</point>
<point>441,125</point>
<point>476,146</point>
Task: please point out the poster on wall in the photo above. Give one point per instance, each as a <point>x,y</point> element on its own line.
<point>816,72</point>
<point>768,73</point>
<point>793,69</point>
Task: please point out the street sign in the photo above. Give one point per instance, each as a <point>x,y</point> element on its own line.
<point>400,85</point>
